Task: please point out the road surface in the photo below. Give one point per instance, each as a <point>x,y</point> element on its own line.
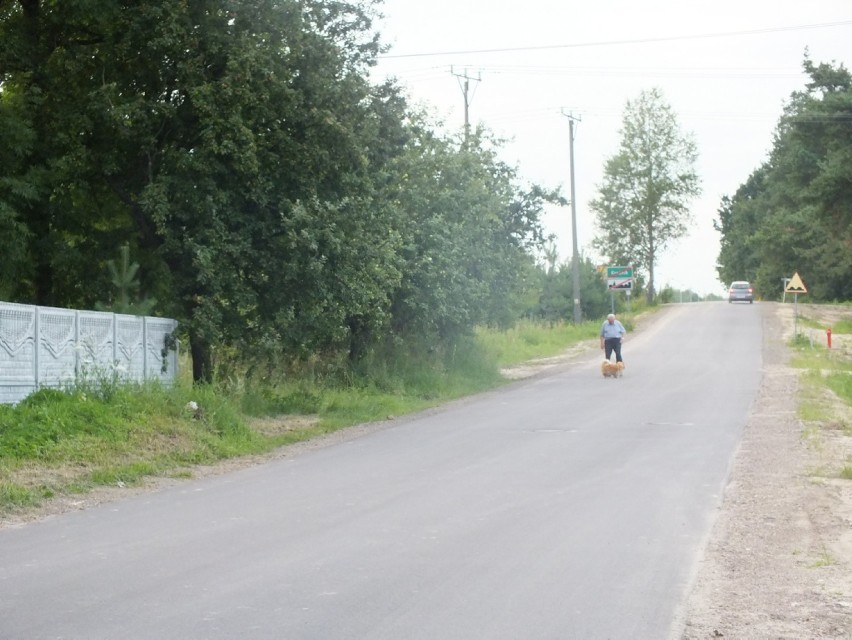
<point>566,506</point>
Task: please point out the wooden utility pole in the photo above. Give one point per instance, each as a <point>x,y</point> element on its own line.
<point>575,260</point>
<point>464,82</point>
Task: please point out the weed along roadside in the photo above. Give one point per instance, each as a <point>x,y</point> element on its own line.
<point>65,450</point>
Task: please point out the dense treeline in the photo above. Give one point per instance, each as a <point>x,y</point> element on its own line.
<point>274,200</point>
<point>794,213</point>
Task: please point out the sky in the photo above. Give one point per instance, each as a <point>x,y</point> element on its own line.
<point>726,69</point>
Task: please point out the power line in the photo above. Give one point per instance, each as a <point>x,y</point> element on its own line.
<point>609,43</point>
<point>630,72</point>
<point>597,71</point>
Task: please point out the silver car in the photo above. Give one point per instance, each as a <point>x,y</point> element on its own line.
<point>740,291</point>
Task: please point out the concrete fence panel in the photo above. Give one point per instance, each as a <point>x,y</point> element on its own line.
<point>48,347</point>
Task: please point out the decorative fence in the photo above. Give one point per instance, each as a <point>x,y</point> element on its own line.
<point>47,347</point>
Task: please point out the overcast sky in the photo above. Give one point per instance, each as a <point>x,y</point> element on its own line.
<point>726,68</point>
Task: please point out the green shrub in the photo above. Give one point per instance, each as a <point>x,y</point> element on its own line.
<point>14,496</point>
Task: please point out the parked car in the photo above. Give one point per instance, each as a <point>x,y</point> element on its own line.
<point>740,291</point>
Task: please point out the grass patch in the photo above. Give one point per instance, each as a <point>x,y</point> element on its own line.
<point>805,350</point>
<point>812,434</point>
<point>841,385</point>
<point>15,496</point>
<point>842,326</point>
<point>812,408</point>
<point>825,399</point>
<point>71,441</point>
<point>814,360</point>
<point>824,559</point>
<point>810,323</point>
<point>531,340</point>
<point>127,474</point>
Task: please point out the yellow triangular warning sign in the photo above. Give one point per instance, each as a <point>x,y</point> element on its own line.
<point>795,285</point>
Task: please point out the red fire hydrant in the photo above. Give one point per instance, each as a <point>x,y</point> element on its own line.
<point>828,335</point>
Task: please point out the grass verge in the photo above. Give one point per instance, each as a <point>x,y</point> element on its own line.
<point>825,400</point>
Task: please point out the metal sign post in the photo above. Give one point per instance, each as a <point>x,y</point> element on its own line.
<point>795,286</point>
<point>795,315</point>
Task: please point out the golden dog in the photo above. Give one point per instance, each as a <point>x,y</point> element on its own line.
<point>612,369</point>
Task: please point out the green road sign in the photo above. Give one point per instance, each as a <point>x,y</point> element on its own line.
<point>619,272</point>
<point>619,277</point>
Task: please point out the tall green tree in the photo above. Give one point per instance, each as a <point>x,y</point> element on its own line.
<point>794,214</point>
<point>809,228</point>
<point>263,191</point>
<point>643,202</point>
<point>200,132</point>
<point>46,191</point>
<point>468,229</point>
<point>739,219</point>
<point>15,192</point>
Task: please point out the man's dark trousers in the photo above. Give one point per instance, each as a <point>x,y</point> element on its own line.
<point>613,344</point>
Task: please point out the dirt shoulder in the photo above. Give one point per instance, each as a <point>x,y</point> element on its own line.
<point>779,560</point>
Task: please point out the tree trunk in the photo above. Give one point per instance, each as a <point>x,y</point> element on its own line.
<point>359,339</point>
<point>650,291</point>
<point>202,360</point>
<point>43,283</point>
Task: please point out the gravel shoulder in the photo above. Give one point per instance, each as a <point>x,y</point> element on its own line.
<point>778,564</point>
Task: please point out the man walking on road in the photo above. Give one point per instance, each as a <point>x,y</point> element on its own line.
<point>611,333</point>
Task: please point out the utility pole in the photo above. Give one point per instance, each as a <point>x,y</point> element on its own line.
<point>464,83</point>
<point>575,260</point>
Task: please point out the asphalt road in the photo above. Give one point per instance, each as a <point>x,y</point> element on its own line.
<point>562,507</point>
